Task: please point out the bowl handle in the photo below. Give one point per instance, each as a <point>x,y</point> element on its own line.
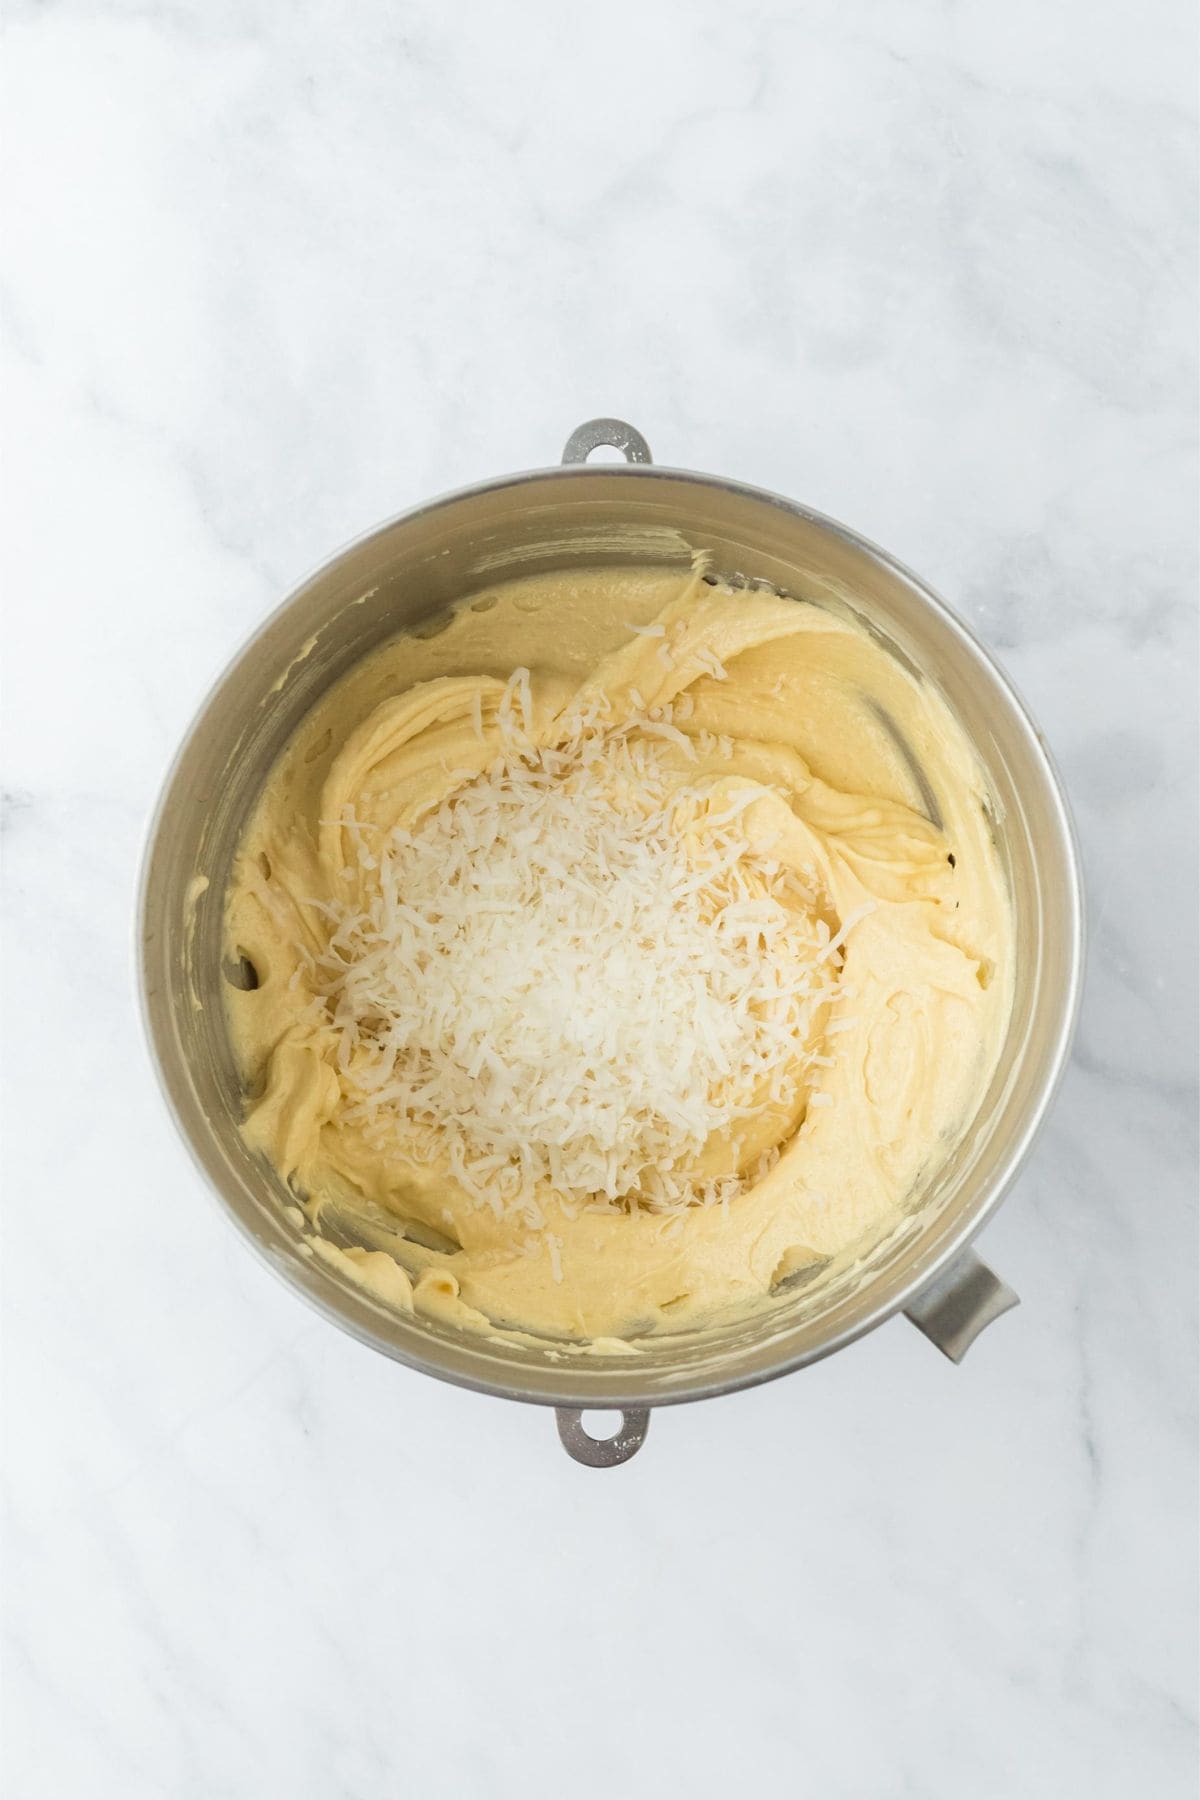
<point>613,432</point>
<point>952,1311</point>
<point>959,1303</point>
<point>602,1453</point>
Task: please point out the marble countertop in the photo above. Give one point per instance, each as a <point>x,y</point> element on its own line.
<point>277,272</point>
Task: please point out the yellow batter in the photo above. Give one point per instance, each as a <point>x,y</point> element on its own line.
<point>868,784</point>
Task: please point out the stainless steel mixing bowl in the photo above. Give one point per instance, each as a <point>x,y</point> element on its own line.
<point>405,575</point>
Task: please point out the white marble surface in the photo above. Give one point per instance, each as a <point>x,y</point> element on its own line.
<point>274,272</point>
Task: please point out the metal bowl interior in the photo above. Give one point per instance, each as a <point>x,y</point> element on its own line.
<point>406,575</point>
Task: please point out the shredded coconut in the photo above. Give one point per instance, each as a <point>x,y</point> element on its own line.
<point>570,976</point>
